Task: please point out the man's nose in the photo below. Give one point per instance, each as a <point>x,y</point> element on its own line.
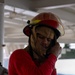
<point>45,41</point>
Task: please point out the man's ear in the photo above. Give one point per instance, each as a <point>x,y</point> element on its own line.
<point>27,30</point>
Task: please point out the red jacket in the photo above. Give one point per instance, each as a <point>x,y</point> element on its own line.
<point>21,63</point>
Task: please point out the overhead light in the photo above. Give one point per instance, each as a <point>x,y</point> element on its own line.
<point>31,13</point>
<point>8,7</point>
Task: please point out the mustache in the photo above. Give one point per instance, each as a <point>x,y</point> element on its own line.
<point>44,46</point>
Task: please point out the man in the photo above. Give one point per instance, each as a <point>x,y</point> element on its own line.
<point>3,71</point>
<point>41,54</point>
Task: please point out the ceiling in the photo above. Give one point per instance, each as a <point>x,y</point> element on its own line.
<point>17,12</point>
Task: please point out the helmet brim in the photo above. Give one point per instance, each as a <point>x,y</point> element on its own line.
<point>50,23</point>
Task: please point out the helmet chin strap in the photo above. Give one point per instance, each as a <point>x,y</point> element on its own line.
<point>30,49</point>
<point>50,46</point>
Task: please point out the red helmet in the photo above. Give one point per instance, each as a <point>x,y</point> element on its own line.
<point>47,19</point>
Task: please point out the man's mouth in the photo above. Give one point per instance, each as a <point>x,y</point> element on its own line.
<point>44,47</point>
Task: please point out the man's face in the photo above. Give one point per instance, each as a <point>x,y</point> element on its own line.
<point>44,36</point>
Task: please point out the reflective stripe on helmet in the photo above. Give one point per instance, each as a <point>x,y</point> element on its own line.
<point>50,23</point>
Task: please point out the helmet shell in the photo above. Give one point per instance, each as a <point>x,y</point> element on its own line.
<point>48,19</point>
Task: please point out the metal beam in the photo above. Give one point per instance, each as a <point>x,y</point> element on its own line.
<point>1,1</point>
<point>52,3</point>
<point>28,4</point>
<point>16,40</point>
<point>68,16</point>
<point>14,21</point>
<point>24,4</point>
<point>66,41</point>
<point>25,40</point>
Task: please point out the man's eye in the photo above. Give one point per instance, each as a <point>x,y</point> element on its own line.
<point>41,37</point>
